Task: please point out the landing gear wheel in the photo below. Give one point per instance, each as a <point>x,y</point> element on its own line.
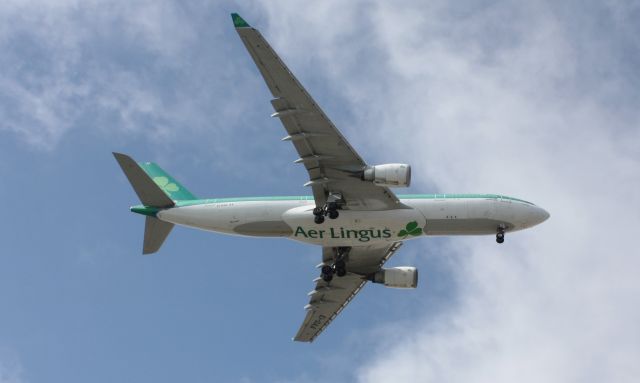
<point>327,273</point>
<point>340,266</point>
<point>500,237</point>
<point>330,209</point>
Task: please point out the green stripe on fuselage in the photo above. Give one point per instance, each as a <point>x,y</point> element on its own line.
<point>462,196</point>
<point>310,198</point>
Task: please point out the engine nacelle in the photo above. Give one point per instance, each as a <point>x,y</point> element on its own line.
<point>398,277</point>
<point>392,175</point>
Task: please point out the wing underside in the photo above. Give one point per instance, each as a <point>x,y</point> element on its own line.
<point>328,299</point>
<point>332,163</point>
<point>334,168</point>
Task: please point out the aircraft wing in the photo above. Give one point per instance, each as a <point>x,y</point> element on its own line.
<point>333,165</point>
<point>328,299</point>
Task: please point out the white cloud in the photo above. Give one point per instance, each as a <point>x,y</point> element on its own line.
<point>78,64</point>
<point>536,101</point>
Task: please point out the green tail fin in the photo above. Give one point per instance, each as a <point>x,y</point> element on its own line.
<point>156,190</point>
<point>148,191</point>
<point>168,184</point>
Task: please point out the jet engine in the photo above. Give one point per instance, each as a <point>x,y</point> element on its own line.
<point>392,175</point>
<point>403,277</point>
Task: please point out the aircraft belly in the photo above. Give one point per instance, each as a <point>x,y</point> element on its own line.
<point>248,218</point>
<point>205,217</point>
<point>467,226</point>
<point>355,228</point>
<point>294,219</point>
<point>470,216</point>
<point>458,216</point>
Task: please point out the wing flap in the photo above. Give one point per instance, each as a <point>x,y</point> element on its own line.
<point>324,306</point>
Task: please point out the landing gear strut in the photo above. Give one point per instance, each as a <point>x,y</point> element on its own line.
<point>339,266</point>
<point>334,201</point>
<point>500,234</point>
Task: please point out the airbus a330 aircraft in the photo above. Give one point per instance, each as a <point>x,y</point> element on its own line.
<point>359,222</point>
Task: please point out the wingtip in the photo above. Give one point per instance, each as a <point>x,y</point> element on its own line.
<point>238,21</point>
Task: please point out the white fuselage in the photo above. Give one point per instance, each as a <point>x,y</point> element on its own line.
<point>292,217</point>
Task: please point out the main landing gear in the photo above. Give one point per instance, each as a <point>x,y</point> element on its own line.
<point>329,209</point>
<point>339,267</point>
<point>318,214</point>
<point>500,234</point>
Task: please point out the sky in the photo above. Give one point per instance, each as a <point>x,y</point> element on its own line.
<point>538,101</point>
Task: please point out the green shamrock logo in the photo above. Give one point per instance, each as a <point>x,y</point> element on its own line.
<point>165,185</point>
<point>411,229</point>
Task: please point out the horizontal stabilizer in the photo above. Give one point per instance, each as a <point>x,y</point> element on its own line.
<point>155,232</point>
<point>148,191</point>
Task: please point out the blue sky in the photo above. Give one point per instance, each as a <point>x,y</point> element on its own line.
<point>537,101</point>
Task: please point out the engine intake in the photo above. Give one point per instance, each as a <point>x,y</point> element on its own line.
<point>392,175</point>
<point>403,277</point>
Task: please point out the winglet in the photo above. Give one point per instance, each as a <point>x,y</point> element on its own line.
<point>239,22</point>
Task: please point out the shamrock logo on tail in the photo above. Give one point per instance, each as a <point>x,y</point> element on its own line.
<point>411,229</point>
<point>165,185</point>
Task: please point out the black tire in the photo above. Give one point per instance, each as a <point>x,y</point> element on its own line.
<point>341,271</point>
<point>333,214</point>
<point>318,219</point>
<point>326,270</point>
<point>318,211</point>
<point>500,239</point>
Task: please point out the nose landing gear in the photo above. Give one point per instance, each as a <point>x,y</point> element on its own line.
<point>500,234</point>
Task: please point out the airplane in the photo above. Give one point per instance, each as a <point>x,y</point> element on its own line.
<point>353,214</point>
